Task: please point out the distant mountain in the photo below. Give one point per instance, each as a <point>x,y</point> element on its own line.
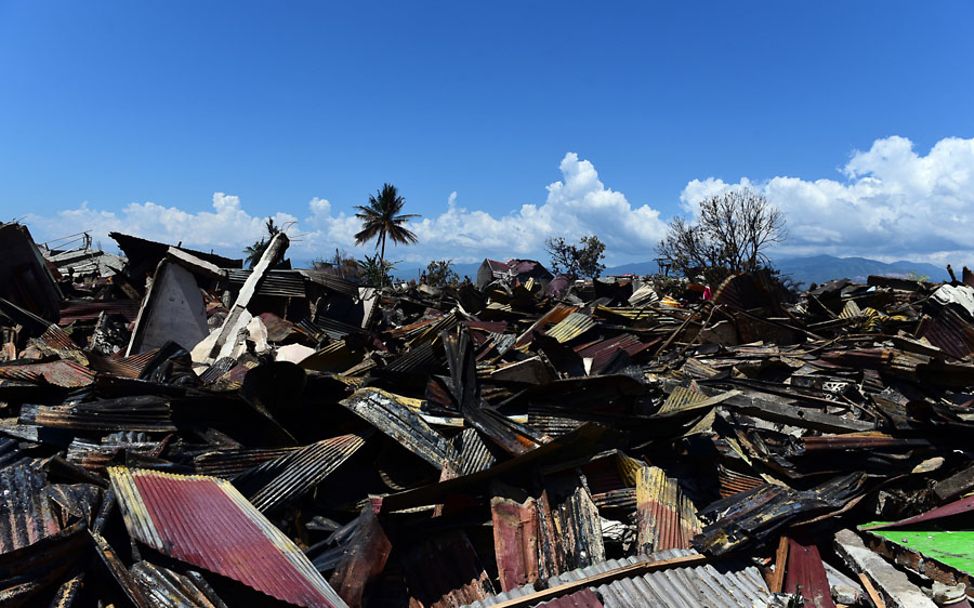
<point>821,268</point>
<point>806,270</point>
<point>412,270</point>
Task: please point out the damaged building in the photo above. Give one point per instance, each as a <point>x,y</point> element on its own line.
<point>177,431</point>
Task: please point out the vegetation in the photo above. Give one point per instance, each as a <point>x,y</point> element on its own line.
<point>341,264</point>
<point>730,236</point>
<point>577,260</point>
<point>375,271</point>
<point>440,273</point>
<point>383,219</point>
<point>256,251</point>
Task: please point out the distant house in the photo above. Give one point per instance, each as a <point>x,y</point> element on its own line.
<point>522,270</point>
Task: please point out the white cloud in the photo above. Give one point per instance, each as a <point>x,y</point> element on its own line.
<point>886,202</point>
<point>576,205</point>
<point>890,202</point>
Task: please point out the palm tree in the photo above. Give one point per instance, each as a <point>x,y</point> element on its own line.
<point>256,251</point>
<point>383,218</point>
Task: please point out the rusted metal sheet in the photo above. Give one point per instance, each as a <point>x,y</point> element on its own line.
<point>206,522</point>
<point>83,310</point>
<point>96,456</point>
<point>586,598</point>
<point>805,575</point>
<point>569,526</point>
<point>28,572</point>
<point>277,283</point>
<point>164,588</point>
<point>445,572</point>
<point>55,341</point>
<point>749,517</point>
<point>957,507</point>
<point>145,413</point>
<point>125,367</point>
<point>363,559</point>
<point>66,374</point>
<point>25,518</point>
<point>515,523</point>
<point>689,398</point>
<point>665,516</point>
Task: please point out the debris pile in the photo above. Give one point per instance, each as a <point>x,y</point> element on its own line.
<point>176,430</point>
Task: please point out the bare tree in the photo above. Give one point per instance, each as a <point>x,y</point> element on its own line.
<point>730,236</point>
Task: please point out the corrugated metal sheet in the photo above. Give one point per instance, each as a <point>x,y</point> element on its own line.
<point>666,519</point>
<point>215,371</point>
<point>805,575</point>
<point>433,331</point>
<point>66,374</point>
<point>684,398</point>
<point>125,367</point>
<point>83,310</point>
<point>554,316</point>
<point>722,584</point>
<point>332,282</point>
<point>962,505</point>
<point>570,528</point>
<point>444,571</point>
<point>950,332</point>
<point>382,410</point>
<point>279,283</point>
<point>333,328</point>
<point>732,482</point>
<point>571,327</point>
<point>514,521</point>
<point>475,453</point>
<point>230,463</point>
<point>168,589</point>
<point>145,413</point>
<point>602,351</point>
<point>688,587</point>
<point>95,456</point>
<point>206,522</point>
<point>9,451</point>
<point>414,360</point>
<point>55,341</point>
<point>585,598</point>
<point>25,515</point>
<point>297,473</point>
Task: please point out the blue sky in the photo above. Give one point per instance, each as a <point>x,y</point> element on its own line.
<point>107,107</point>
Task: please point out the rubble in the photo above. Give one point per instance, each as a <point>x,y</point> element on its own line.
<point>178,431</point>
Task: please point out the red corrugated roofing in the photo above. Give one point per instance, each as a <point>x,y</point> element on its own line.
<point>805,575</point>
<point>206,522</point>
<point>950,509</point>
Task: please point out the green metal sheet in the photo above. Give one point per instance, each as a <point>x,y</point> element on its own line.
<point>952,547</point>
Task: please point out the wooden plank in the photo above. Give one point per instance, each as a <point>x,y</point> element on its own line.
<point>780,563</point>
<point>874,595</point>
<point>212,346</point>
